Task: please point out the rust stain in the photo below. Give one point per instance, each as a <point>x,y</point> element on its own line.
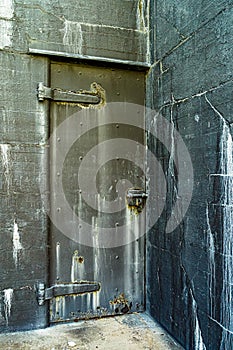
<point>135,204</point>
<point>78,258</point>
<point>121,304</point>
<point>96,90</point>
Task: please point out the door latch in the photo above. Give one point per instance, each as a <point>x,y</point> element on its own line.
<point>136,199</point>
<point>59,95</point>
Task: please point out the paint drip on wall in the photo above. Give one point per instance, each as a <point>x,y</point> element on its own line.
<point>73,36</point>
<point>8,295</point>
<point>5,155</point>
<point>17,246</point>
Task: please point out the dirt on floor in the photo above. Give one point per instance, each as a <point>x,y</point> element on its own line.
<point>127,332</point>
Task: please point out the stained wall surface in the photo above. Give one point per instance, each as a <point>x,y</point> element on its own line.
<point>190,269</point>
<point>104,29</point>
<point>189,283</point>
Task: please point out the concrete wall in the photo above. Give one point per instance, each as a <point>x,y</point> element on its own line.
<point>107,29</point>
<point>189,285</point>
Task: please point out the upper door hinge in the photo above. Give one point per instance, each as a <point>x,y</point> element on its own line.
<point>59,95</point>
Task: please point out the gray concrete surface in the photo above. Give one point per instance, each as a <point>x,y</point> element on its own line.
<point>135,331</point>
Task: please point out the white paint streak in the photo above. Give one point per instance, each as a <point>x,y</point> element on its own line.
<point>198,340</point>
<point>220,325</point>
<point>5,151</point>
<point>226,174</point>
<point>211,264</point>
<point>73,35</point>
<point>140,16</point>
<point>17,246</point>
<point>226,167</point>
<point>8,294</point>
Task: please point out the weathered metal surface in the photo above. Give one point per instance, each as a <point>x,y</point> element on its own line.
<point>120,270</point>
<point>136,199</point>
<point>71,289</point>
<point>39,49</point>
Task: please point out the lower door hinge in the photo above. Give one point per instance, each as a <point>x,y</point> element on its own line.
<point>65,289</point>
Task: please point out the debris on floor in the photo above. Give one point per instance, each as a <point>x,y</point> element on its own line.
<point>127,332</point>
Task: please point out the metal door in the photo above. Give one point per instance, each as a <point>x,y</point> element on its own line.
<point>91,113</point>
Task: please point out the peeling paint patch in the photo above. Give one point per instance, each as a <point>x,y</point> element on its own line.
<point>8,294</point>
<point>17,246</point>
<point>73,35</point>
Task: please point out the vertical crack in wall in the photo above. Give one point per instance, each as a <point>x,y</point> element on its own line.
<point>8,295</point>
<point>17,246</point>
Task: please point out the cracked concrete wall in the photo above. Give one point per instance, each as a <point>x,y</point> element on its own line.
<point>107,29</point>
<point>190,270</point>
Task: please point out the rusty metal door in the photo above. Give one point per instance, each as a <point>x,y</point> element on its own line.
<point>97,187</point>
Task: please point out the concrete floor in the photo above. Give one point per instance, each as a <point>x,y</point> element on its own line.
<point>127,332</point>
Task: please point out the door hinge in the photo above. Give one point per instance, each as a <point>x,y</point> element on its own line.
<point>65,289</point>
<point>59,95</point>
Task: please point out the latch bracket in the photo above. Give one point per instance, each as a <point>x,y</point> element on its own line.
<point>65,289</point>
<point>59,95</point>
